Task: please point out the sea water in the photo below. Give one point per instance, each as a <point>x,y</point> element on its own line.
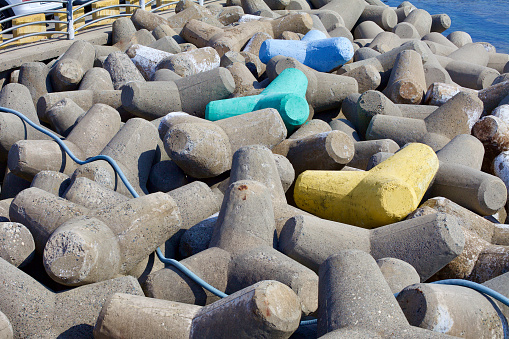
<point>484,20</point>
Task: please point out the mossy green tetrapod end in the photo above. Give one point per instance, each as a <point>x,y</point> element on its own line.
<point>286,93</point>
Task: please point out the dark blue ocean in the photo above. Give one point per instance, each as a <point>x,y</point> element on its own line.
<point>484,20</point>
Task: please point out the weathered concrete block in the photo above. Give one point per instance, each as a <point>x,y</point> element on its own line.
<point>110,241</point>
<point>311,240</point>
<point>17,245</point>
<point>18,98</point>
<point>155,99</point>
<point>344,278</point>
<point>423,305</point>
<point>51,181</point>
<point>133,148</point>
<point>213,143</point>
<point>67,73</point>
<point>234,38</point>
<point>35,310</point>
<point>478,261</point>
<point>93,132</point>
<point>268,309</point>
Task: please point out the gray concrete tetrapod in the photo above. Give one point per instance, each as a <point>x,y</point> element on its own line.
<point>385,42</point>
<point>246,231</point>
<point>96,78</point>
<point>133,148</point>
<point>455,117</point>
<point>85,99</point>
<point>90,135</point>
<point>360,110</point>
<point>367,30</point>
<point>36,311</point>
<point>110,241</point>
<point>17,245</point>
<point>385,61</point>
<point>356,302</point>
<point>64,115</point>
<point>17,97</point>
<point>398,273</point>
<point>52,182</point>
<point>364,150</point>
<point>122,70</point>
<point>151,100</point>
<point>325,91</point>
<point>350,11</point>
<point>35,76</point>
<point>70,68</point>
<point>113,240</point>
<point>268,309</point>
<point>315,146</point>
<point>257,162</point>
<point>478,191</point>
<point>204,149</point>
<point>407,83</point>
<point>165,176</point>
<point>310,128</point>
<point>92,195</point>
<point>310,240</point>
<point>44,212</point>
<point>486,243</point>
<point>383,16</point>
<point>146,58</point>
<point>234,38</point>
<point>122,29</point>
<point>191,62</point>
<point>367,76</point>
<point>469,312</point>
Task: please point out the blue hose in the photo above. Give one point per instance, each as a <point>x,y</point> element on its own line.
<point>117,169</point>
<point>478,287</point>
<point>486,292</point>
<point>475,286</point>
<point>465,283</point>
<point>71,155</point>
<point>190,274</point>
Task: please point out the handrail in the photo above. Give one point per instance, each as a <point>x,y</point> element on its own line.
<point>23,15</point>
<point>101,19</point>
<point>85,4</point>
<point>33,23</point>
<point>70,20</point>
<point>31,34</point>
<point>98,10</point>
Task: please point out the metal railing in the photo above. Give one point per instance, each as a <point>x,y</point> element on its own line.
<point>69,23</point>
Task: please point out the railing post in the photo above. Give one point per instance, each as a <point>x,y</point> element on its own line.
<point>70,21</point>
<point>142,4</point>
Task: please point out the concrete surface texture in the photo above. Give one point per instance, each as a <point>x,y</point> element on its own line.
<point>307,159</point>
